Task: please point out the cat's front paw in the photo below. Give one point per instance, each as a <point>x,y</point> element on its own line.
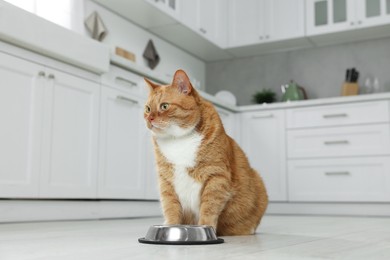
<point>208,223</point>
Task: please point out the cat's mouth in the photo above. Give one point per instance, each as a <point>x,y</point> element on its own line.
<point>155,126</point>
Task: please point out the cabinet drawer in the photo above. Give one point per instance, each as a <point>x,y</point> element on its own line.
<point>338,115</point>
<point>352,179</point>
<point>339,141</point>
<point>125,81</point>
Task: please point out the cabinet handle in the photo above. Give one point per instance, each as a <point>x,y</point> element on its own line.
<point>352,23</point>
<point>124,81</point>
<point>335,115</point>
<point>51,76</point>
<point>203,30</point>
<point>267,36</point>
<point>261,37</point>
<point>359,22</point>
<point>41,74</point>
<point>123,98</point>
<point>262,116</point>
<point>336,142</point>
<point>336,173</point>
<point>223,113</point>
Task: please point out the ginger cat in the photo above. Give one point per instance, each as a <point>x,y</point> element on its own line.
<point>204,176</point>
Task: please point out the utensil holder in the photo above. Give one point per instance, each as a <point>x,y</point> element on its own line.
<point>349,89</point>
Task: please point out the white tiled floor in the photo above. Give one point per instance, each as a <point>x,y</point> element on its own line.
<point>279,237</point>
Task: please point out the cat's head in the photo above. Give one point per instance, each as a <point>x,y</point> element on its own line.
<point>172,110</point>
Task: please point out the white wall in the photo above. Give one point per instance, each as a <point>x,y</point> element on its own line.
<point>67,13</point>
<point>129,36</point>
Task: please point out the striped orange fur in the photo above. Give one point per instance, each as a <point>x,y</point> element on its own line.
<point>204,176</point>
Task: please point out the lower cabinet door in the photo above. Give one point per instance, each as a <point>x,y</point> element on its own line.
<point>229,122</point>
<point>21,93</point>
<point>340,180</point>
<point>121,146</point>
<point>263,141</point>
<point>70,138</point>
<point>152,186</point>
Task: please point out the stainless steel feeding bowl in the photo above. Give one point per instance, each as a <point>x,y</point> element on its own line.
<point>181,235</point>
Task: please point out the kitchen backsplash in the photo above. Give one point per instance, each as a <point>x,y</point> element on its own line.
<point>320,70</point>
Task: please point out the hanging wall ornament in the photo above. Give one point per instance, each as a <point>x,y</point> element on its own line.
<point>96,27</point>
<point>151,55</point>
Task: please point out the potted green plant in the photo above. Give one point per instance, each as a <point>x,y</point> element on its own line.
<point>264,96</point>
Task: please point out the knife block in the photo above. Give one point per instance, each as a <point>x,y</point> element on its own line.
<point>349,89</point>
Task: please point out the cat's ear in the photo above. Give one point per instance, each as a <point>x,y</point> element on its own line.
<point>150,84</point>
<point>182,82</point>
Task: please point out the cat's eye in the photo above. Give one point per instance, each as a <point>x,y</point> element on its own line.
<point>147,109</point>
<point>164,106</point>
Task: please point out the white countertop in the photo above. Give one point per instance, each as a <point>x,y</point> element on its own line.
<point>315,102</point>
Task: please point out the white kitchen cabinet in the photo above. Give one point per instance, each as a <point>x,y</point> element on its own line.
<point>360,140</point>
<point>372,12</point>
<point>126,162</point>
<point>339,152</point>
<point>70,143</point>
<point>207,18</point>
<point>21,99</point>
<point>244,25</point>
<point>49,136</point>
<point>121,126</point>
<point>263,141</point>
<point>327,16</point>
<point>261,21</point>
<point>363,179</point>
<point>171,7</point>
<point>229,122</point>
<point>150,170</point>
<point>284,19</point>
<point>339,115</point>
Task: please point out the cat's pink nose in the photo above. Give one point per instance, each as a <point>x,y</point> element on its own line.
<point>151,118</point>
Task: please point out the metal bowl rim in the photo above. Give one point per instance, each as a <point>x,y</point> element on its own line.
<point>209,231</point>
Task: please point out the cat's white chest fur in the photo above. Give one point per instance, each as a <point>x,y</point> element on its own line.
<point>182,153</point>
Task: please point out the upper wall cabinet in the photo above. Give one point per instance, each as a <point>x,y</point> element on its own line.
<point>208,18</point>
<point>260,21</point>
<point>171,7</point>
<point>196,26</point>
<point>327,16</point>
<point>373,12</point>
